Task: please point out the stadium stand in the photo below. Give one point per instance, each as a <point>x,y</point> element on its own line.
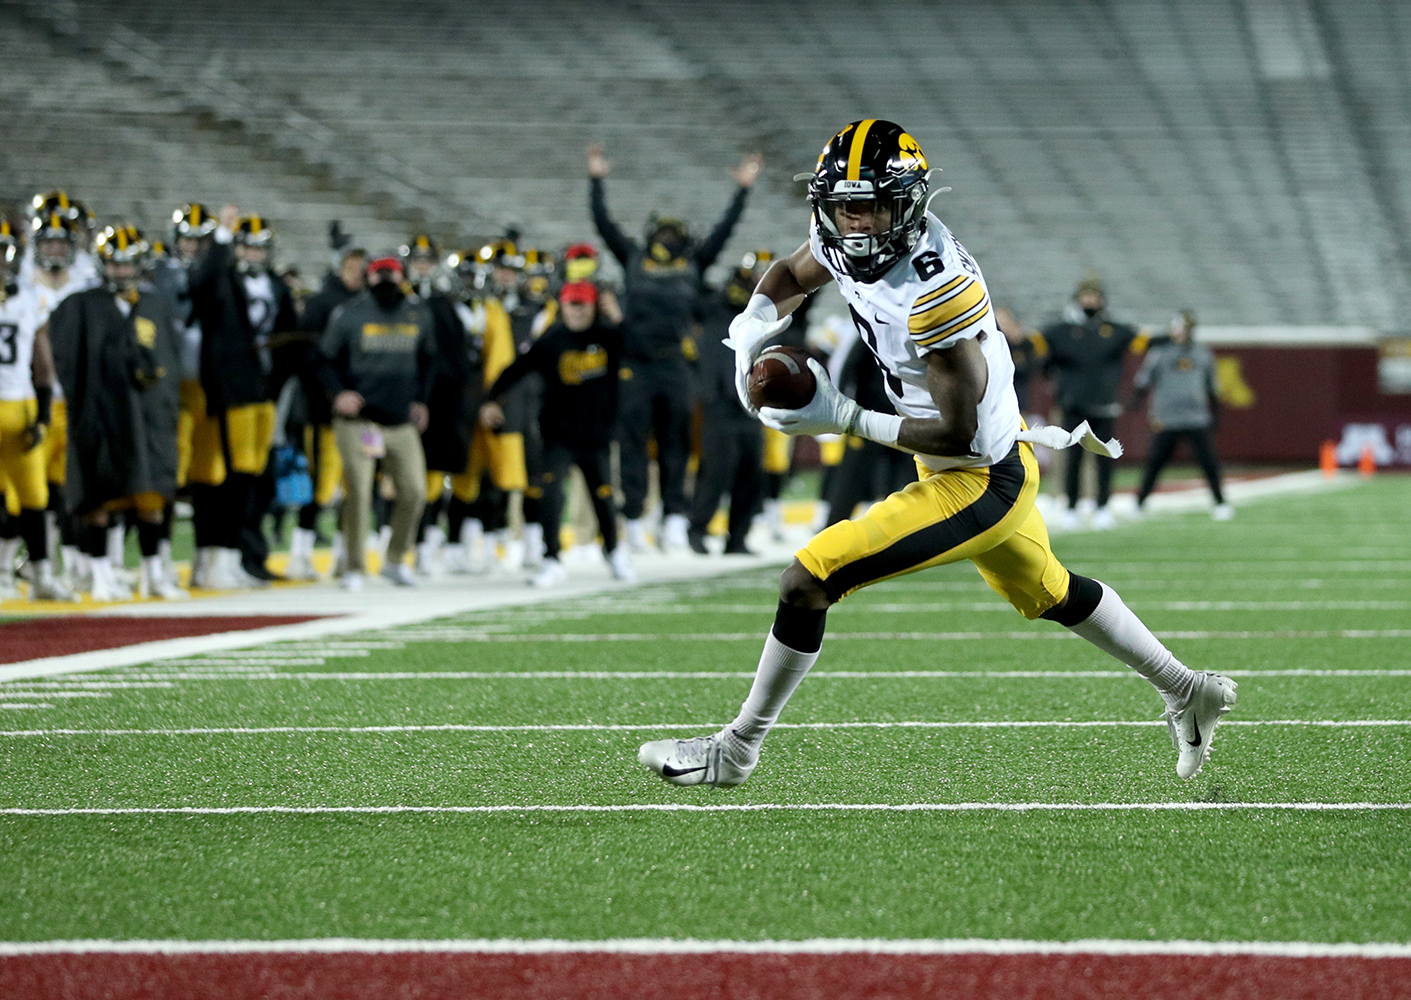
<point>1241,155</point>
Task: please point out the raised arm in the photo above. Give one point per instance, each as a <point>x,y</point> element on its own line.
<point>744,175</point>
<point>618,242</point>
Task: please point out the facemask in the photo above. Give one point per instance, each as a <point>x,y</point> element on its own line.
<point>387,293</point>
<point>1091,311</point>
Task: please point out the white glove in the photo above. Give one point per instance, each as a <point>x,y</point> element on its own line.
<point>828,412</point>
<point>749,332</point>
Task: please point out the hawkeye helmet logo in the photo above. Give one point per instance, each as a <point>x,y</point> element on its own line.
<point>909,153</point>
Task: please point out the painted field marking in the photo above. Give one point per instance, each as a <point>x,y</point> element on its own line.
<point>475,634</point>
<point>5,693</point>
<point>670,946</point>
<point>940,607</point>
<point>15,706</point>
<point>465,727</point>
<point>711,675</point>
<point>680,807</point>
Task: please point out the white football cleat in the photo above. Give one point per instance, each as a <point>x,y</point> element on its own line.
<point>698,761</point>
<point>551,575</point>
<point>674,533</point>
<point>621,565</point>
<point>400,574</point>
<point>1103,520</point>
<point>352,582</point>
<point>637,534</point>
<point>1222,512</point>
<point>1193,727</point>
<point>48,586</point>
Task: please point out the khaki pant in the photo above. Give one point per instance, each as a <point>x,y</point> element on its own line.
<point>404,462</point>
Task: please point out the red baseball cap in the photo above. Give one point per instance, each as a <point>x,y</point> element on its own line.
<point>579,291</point>
<point>388,263</point>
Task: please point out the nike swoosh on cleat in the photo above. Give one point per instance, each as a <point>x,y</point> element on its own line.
<point>1196,726</point>
<point>676,772</point>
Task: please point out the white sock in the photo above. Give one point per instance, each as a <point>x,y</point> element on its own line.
<point>116,545</point>
<point>779,672</point>
<point>1117,631</point>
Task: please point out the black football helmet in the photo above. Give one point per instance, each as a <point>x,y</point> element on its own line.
<point>10,250</point>
<point>123,245</point>
<point>47,230</point>
<point>876,161</point>
<point>193,221</point>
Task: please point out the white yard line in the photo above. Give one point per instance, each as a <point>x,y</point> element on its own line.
<point>686,726</point>
<point>651,675</point>
<point>670,946</point>
<point>681,807</point>
<point>474,634</point>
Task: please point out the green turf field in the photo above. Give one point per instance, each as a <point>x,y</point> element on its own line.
<point>1043,802</point>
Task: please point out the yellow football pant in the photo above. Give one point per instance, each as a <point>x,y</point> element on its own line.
<point>23,472</point>
<point>986,515</point>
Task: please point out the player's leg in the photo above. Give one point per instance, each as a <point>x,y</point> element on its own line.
<point>1159,452</point>
<point>1204,447</point>
<point>359,471</point>
<point>944,517</point>
<point>745,490</point>
<point>1103,427</point>
<point>596,466</point>
<point>406,464</point>
<point>634,426</point>
<point>1024,570</point>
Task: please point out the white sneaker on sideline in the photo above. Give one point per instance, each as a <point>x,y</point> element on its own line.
<point>621,564</point>
<point>1067,519</point>
<point>1222,512</point>
<point>674,533</point>
<point>533,546</point>
<point>636,532</point>
<point>551,575</point>
<point>1103,520</point>
<point>47,586</point>
<point>698,761</point>
<point>399,573</point>
<point>221,571</point>
<point>156,583</point>
<point>351,582</point>
<point>1193,727</point>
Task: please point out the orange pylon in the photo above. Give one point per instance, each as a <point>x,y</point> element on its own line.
<point>1366,463</point>
<point>1328,459</point>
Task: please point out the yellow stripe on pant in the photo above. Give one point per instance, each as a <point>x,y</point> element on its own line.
<point>325,464</point>
<point>986,515</point>
<point>501,455</point>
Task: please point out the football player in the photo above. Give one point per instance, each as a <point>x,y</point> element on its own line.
<point>57,270</point>
<point>26,394</point>
<point>920,303</point>
<point>118,354</point>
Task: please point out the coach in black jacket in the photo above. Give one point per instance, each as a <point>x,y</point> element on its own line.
<point>241,305</point>
<point>662,280</point>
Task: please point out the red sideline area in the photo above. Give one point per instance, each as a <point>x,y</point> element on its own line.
<point>712,976</point>
<point>62,635</point>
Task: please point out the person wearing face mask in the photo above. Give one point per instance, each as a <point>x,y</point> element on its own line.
<point>117,353</point>
<point>242,307</point>
<point>1179,378</point>
<point>578,358</point>
<point>1085,352</point>
<point>451,403</point>
<point>662,278</point>
<point>376,366</point>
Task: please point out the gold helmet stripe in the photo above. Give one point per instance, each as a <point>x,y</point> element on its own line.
<point>855,151</point>
<point>195,215</point>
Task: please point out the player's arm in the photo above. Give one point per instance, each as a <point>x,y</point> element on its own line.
<point>778,294</point>
<point>43,372</point>
<point>787,282</point>
<point>956,376</point>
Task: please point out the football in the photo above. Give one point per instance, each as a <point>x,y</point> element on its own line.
<point>781,378</point>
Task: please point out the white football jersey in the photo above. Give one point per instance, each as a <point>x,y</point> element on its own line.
<point>19,320</point>
<point>49,299</point>
<point>930,300</point>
